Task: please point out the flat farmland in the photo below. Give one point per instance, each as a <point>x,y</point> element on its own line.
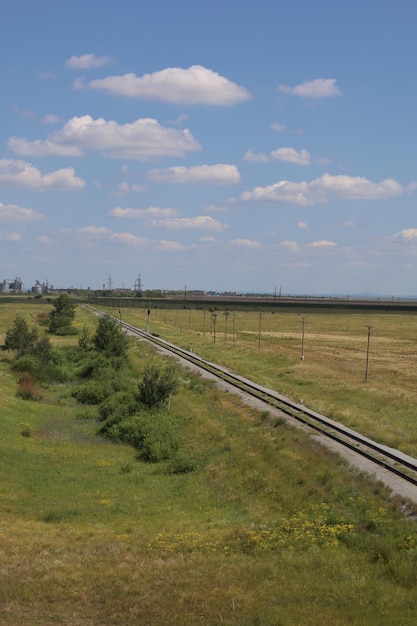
<point>267,346</point>
<point>269,528</point>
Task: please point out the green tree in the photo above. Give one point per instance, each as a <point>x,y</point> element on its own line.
<point>63,314</point>
<point>20,337</point>
<point>157,386</point>
<point>109,338</point>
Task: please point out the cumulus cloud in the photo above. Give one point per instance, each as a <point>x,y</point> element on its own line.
<point>249,244</point>
<point>13,237</point>
<point>173,246</point>
<point>320,190</point>
<point>302,225</point>
<point>142,139</point>
<point>278,127</point>
<point>289,155</point>
<point>12,213</point>
<point>202,222</point>
<point>152,211</point>
<point>129,239</point>
<point>220,174</point>
<point>317,88</point>
<point>253,156</point>
<point>195,85</point>
<point>86,62</point>
<point>322,243</point>
<point>22,175</point>
<point>94,231</point>
<point>292,246</point>
<point>407,233</point>
<point>50,118</point>
<point>125,187</point>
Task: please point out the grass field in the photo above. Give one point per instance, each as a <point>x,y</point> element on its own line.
<point>331,378</point>
<point>270,529</point>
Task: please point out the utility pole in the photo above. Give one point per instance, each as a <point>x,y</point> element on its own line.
<point>214,320</point>
<point>226,317</point>
<point>302,338</point>
<point>259,331</point>
<point>367,354</point>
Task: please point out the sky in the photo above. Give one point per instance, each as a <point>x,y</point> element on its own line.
<point>222,146</point>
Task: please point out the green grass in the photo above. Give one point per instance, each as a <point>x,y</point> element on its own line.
<point>331,378</point>
<point>269,528</point>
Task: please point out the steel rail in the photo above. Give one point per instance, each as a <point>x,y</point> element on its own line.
<point>341,434</point>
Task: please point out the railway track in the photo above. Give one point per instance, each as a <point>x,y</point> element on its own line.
<point>394,461</point>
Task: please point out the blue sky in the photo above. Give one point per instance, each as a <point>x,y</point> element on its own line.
<point>217,145</point>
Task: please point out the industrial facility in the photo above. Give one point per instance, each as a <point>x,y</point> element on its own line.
<point>11,285</point>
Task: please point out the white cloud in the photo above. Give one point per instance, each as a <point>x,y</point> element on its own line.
<point>292,246</point>
<point>94,231</point>
<point>151,211</point>
<point>14,237</point>
<point>19,174</point>
<point>173,246</point>
<point>320,190</point>
<point>290,155</point>
<point>125,187</point>
<point>252,156</point>
<point>86,62</point>
<point>302,225</point>
<point>220,174</point>
<point>129,239</point>
<point>143,139</point>
<point>203,222</point>
<point>322,243</point>
<point>195,85</point>
<point>15,214</point>
<point>249,244</point>
<point>407,233</point>
<point>317,88</point>
<point>278,127</point>
<point>50,118</point>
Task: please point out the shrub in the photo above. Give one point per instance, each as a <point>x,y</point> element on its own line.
<point>152,434</point>
<point>109,338</point>
<point>62,316</point>
<point>25,432</point>
<point>27,389</point>
<point>92,392</point>
<point>120,404</point>
<point>180,464</point>
<point>157,386</point>
<point>64,331</point>
<point>19,337</point>
<point>85,340</point>
<point>159,437</point>
<point>26,364</point>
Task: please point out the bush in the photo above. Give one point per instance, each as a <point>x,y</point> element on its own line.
<point>19,337</point>
<point>26,364</point>
<point>152,434</point>
<point>62,316</point>
<point>92,392</point>
<point>159,437</point>
<point>157,386</point>
<point>27,389</point>
<point>120,404</point>
<point>64,331</point>
<point>109,338</point>
<point>180,464</point>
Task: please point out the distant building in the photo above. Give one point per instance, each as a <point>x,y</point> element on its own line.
<point>11,286</point>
